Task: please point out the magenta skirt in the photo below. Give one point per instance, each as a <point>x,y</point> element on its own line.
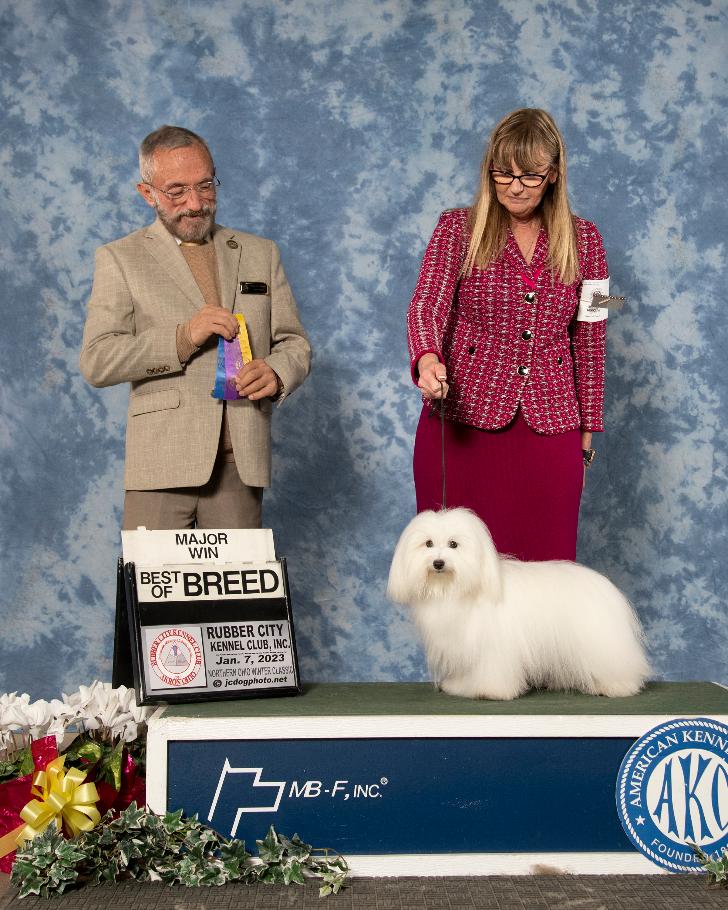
<point>526,486</point>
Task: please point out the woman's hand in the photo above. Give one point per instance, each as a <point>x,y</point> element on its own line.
<point>586,441</point>
<point>432,376</point>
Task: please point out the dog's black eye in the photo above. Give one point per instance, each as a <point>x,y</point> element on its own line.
<point>428,543</point>
<point>452,543</point>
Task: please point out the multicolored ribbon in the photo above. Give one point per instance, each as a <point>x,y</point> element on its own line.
<point>231,355</point>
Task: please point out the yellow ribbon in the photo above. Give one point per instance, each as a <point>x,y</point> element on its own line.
<point>243,339</point>
<point>9,841</point>
<point>63,798</point>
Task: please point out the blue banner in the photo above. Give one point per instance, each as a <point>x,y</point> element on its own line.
<point>364,796</point>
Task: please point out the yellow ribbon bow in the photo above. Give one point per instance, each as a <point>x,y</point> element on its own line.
<point>64,798</point>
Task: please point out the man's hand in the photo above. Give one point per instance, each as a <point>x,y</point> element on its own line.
<point>212,320</point>
<point>256,380</point>
<point>431,371</point>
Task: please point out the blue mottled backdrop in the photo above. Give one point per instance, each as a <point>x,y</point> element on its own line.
<point>342,129</point>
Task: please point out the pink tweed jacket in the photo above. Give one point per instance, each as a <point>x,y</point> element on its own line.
<point>503,345</point>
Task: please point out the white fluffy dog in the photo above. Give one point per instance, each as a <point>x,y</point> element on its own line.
<point>495,627</point>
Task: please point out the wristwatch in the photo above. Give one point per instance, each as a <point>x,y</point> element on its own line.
<point>588,455</point>
<point>280,389</point>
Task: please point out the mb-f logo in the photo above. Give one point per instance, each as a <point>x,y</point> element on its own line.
<point>236,785</point>
<point>672,792</point>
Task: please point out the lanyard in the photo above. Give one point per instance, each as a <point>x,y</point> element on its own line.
<point>531,282</point>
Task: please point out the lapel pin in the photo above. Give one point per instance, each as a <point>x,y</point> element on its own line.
<point>233,244</point>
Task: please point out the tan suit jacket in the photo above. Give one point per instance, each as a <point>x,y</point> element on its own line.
<point>143,289</point>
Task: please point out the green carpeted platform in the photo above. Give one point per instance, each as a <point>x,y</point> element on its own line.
<point>484,785</point>
<point>353,699</point>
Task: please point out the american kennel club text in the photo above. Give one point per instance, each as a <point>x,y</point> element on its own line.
<point>673,791</point>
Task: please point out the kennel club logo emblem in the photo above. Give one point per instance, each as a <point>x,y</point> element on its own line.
<point>175,657</point>
<point>672,791</point>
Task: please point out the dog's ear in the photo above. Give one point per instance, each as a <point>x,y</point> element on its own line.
<point>399,586</point>
<point>405,573</point>
<point>491,573</point>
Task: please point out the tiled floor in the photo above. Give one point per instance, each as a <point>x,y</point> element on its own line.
<point>558,892</point>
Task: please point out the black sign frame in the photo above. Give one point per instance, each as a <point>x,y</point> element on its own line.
<point>129,664</point>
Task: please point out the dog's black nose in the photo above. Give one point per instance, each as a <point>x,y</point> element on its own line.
<point>438,564</point>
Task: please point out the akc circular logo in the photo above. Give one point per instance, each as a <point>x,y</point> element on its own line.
<point>672,791</point>
<point>175,657</point>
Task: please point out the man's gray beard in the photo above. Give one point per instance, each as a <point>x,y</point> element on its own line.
<point>194,230</point>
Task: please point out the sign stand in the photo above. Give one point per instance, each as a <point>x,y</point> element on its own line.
<point>203,624</point>
<point>122,672</point>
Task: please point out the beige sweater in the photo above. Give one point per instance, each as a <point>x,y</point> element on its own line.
<point>201,259</point>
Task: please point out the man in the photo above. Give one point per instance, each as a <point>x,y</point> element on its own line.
<point>161,298</point>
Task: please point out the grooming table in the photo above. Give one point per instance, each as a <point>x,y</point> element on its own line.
<point>405,780</point>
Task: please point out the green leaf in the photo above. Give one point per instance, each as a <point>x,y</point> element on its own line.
<point>172,822</point>
<point>18,766</point>
<point>295,847</point>
<point>717,869</point>
<point>110,765</point>
<point>270,849</point>
<point>27,764</point>
<point>272,875</point>
<point>90,751</point>
<point>295,874</point>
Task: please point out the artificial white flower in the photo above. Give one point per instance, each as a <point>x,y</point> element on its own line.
<point>14,715</point>
<point>108,709</point>
<point>63,716</point>
<point>12,706</point>
<point>12,721</point>
<point>98,707</point>
<point>140,713</point>
<point>82,698</point>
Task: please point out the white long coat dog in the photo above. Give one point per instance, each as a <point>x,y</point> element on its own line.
<point>495,627</point>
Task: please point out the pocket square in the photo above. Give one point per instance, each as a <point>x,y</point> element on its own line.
<point>253,287</point>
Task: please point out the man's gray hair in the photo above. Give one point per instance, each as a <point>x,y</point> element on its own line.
<point>166,137</point>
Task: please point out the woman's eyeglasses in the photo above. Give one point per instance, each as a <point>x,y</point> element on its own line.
<point>505,178</point>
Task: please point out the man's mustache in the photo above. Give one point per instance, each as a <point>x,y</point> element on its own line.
<point>193,213</point>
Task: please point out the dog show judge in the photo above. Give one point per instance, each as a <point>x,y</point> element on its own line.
<point>162,297</point>
<point>502,326</point>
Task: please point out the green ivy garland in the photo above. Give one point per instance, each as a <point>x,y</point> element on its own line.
<point>140,845</point>
<point>717,869</point>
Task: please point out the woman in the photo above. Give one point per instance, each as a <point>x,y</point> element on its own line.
<point>500,325</point>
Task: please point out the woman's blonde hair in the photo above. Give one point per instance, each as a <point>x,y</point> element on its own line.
<point>522,138</point>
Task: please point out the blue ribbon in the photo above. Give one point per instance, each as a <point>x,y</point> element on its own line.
<point>220,377</point>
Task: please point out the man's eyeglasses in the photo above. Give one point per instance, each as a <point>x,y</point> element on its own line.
<point>505,178</point>
<point>207,188</point>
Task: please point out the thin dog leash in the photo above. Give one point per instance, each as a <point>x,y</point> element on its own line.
<point>442,435</point>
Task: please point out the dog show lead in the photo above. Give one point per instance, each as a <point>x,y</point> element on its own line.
<point>502,316</point>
